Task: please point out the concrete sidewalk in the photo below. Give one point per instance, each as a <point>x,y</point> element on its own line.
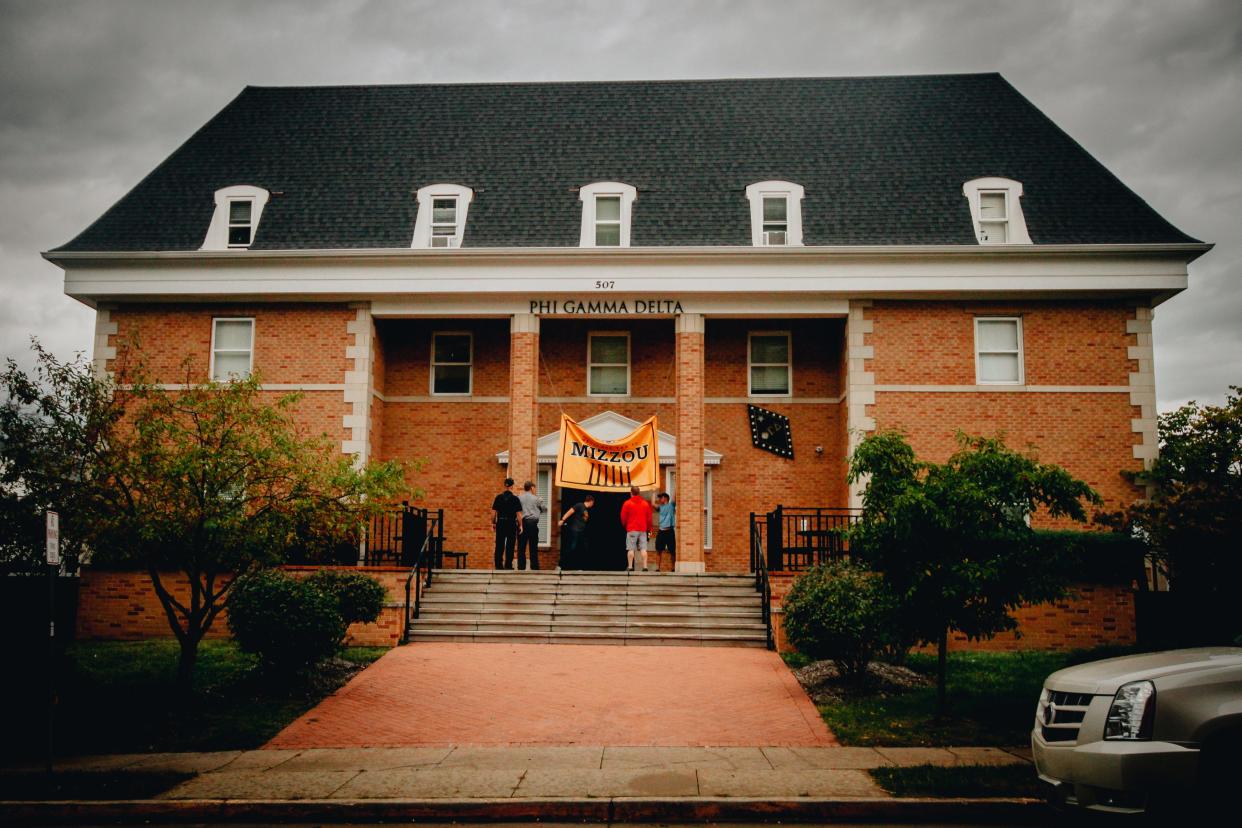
<point>536,773</point>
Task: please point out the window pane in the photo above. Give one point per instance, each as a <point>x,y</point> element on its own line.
<point>231,335</point>
<point>239,212</point>
<point>608,208</point>
<point>239,236</point>
<point>608,381</point>
<point>452,379</point>
<point>769,349</point>
<point>769,379</point>
<point>998,367</point>
<point>231,365</point>
<point>609,350</point>
<point>452,348</point>
<point>775,209</point>
<point>444,211</point>
<point>996,232</point>
<point>992,206</point>
<point>608,235</point>
<point>544,490</point>
<point>998,335</point>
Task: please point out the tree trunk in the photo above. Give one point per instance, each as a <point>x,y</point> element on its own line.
<point>942,674</point>
<point>185,665</point>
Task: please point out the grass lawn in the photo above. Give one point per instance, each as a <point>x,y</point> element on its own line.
<point>970,781</point>
<point>992,700</point>
<point>117,697</point>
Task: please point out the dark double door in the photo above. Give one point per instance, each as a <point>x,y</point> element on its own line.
<point>605,537</point>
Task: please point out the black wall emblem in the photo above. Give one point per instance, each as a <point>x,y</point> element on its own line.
<point>770,431</point>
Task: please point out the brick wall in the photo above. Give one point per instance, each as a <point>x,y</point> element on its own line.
<point>1092,616</point>
<point>1065,344</point>
<point>123,606</point>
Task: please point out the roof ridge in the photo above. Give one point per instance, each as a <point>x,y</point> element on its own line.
<point>627,81</point>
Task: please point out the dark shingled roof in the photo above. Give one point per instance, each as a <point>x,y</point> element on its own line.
<point>882,159</point>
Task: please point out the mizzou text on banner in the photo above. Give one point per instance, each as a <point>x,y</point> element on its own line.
<point>584,462</point>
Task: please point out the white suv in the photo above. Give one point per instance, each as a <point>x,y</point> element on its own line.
<point>1119,734</point>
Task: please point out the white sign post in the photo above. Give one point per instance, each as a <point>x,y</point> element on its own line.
<point>53,539</point>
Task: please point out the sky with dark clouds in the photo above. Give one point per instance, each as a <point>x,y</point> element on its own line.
<point>95,94</point>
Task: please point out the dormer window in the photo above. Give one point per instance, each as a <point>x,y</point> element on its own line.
<point>241,222</point>
<point>606,207</point>
<point>996,210</point>
<point>236,217</point>
<point>775,213</point>
<point>441,219</point>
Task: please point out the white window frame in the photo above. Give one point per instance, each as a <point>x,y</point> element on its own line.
<point>543,487</point>
<point>670,486</point>
<point>588,194</point>
<point>424,223</point>
<point>750,364</point>
<point>469,363</point>
<point>217,237</point>
<point>211,366</point>
<point>1021,380</point>
<point>629,362</point>
<point>1014,221</point>
<point>793,195</point>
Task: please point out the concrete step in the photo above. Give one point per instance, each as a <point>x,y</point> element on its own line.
<point>628,639</point>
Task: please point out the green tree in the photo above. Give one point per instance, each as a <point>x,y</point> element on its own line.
<point>1192,519</point>
<point>55,421</point>
<point>205,481</point>
<point>954,540</point>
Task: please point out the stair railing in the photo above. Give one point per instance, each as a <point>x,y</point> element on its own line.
<point>414,584</point>
<point>759,562</point>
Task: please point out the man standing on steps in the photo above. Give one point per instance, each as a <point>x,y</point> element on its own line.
<point>666,537</point>
<point>506,511</point>
<point>636,518</point>
<point>528,536</point>
<point>574,522</point>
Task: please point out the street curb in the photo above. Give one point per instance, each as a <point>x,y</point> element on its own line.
<point>602,810</point>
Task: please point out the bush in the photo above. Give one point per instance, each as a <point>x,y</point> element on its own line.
<point>844,612</point>
<point>359,598</point>
<point>289,624</point>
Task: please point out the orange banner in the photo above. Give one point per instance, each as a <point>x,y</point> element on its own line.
<point>584,462</point>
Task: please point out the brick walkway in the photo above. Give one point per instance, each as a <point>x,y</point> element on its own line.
<point>547,694</point>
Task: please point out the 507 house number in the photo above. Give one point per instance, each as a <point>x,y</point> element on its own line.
<point>605,285</point>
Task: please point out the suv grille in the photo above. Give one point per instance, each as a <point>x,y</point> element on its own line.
<point>1059,718</point>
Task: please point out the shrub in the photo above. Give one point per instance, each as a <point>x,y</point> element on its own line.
<point>841,611</point>
<point>289,624</point>
<point>359,598</point>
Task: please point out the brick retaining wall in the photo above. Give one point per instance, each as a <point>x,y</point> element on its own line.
<point>122,606</point>
<point>1095,615</point>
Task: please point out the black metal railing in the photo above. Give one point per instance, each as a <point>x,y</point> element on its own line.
<point>762,585</point>
<point>793,538</point>
<point>424,559</point>
<point>397,536</point>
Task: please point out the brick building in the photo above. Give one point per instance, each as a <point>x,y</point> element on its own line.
<point>444,270</point>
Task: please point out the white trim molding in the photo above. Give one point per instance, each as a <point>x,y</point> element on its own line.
<point>793,195</point>
<point>103,350</point>
<point>1142,385</point>
<point>1010,388</point>
<point>217,238</point>
<point>588,194</point>
<point>1013,222</point>
<point>423,221</point>
<point>359,388</point>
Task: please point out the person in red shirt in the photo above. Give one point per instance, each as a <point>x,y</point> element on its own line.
<point>636,518</point>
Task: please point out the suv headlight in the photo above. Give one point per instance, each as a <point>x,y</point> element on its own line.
<point>1132,712</point>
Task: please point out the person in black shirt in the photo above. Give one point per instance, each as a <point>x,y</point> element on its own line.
<point>506,511</point>
<point>574,522</point>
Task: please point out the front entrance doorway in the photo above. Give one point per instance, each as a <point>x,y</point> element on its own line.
<point>605,537</point>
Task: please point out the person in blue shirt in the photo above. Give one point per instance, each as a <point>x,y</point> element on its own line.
<point>666,538</point>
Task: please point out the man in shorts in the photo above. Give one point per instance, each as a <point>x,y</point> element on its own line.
<point>666,537</point>
<point>636,518</point>
<point>574,523</point>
